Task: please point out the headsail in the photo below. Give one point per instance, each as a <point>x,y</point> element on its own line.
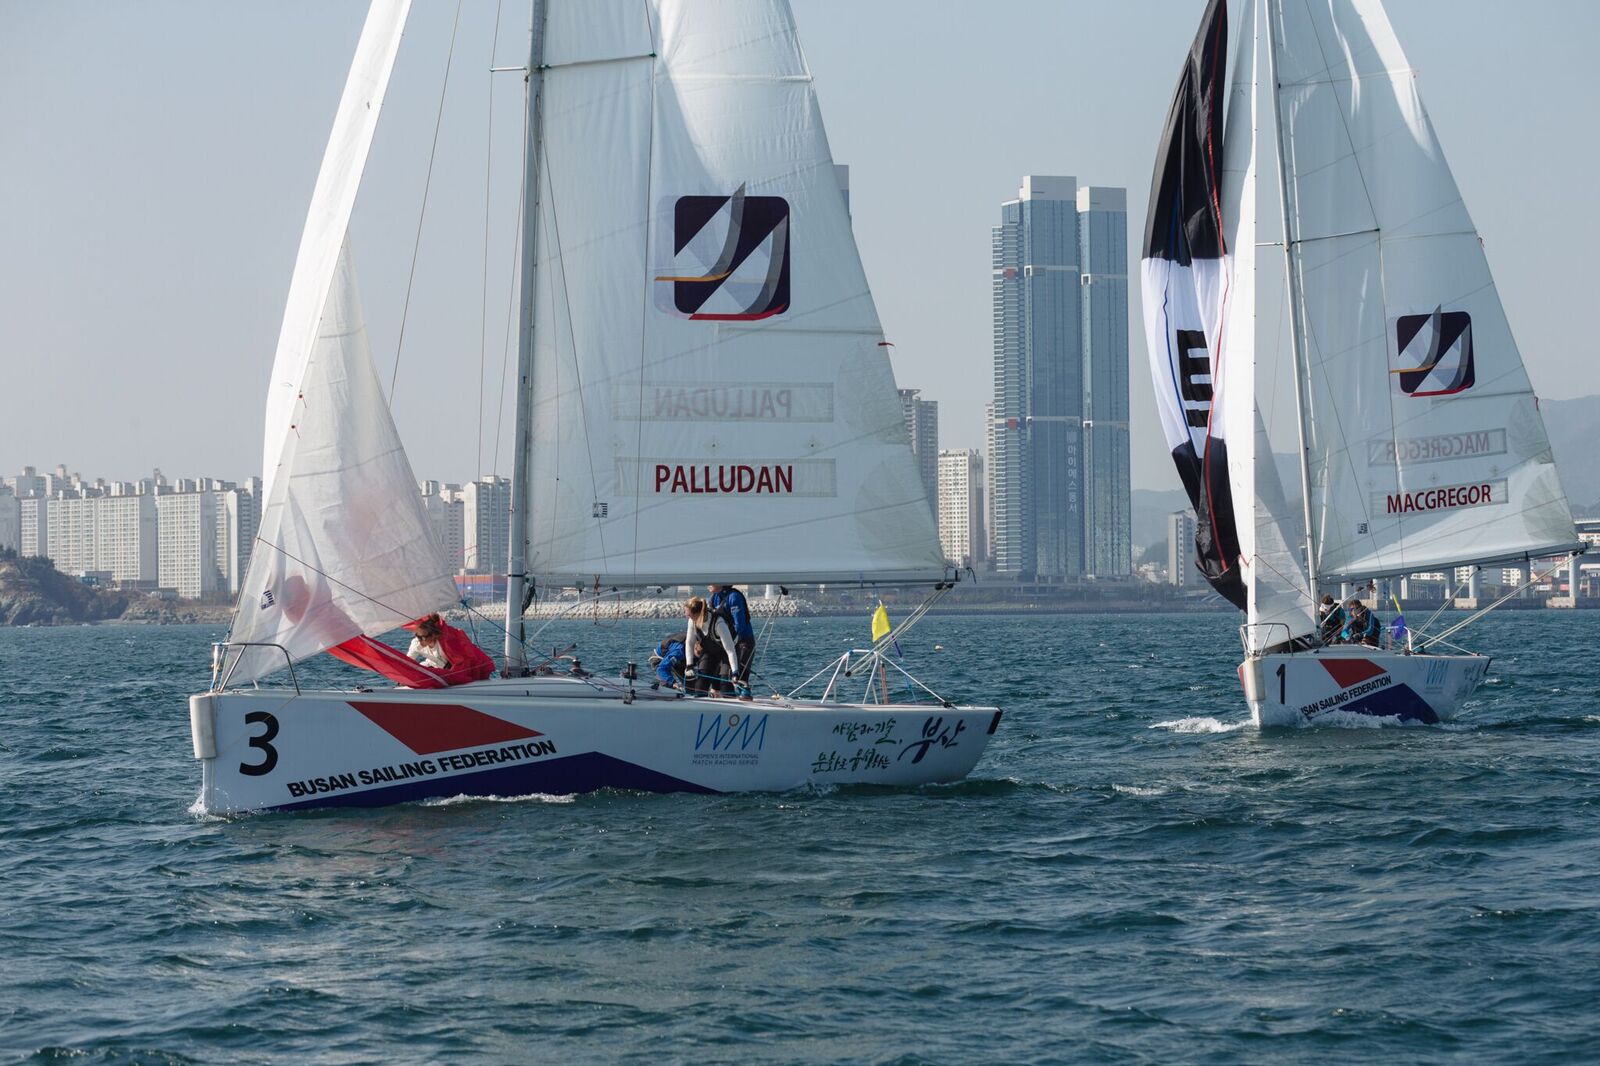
<point>332,200</point>
<point>1279,608</point>
<point>1427,448</point>
<point>1184,276</point>
<point>344,546</point>
<point>712,399</point>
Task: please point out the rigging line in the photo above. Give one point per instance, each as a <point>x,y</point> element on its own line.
<point>511,297</point>
<point>427,183</point>
<point>488,180</point>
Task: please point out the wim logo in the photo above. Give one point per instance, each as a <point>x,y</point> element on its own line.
<point>722,733</point>
<point>1439,347</point>
<point>730,258</point>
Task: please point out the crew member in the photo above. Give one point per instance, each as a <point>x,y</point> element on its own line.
<point>425,647</point>
<point>1330,619</point>
<point>708,644</point>
<point>1363,626</point>
<point>668,659</point>
<point>730,602</point>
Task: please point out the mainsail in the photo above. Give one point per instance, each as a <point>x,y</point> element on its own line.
<point>1184,274</point>
<point>711,394</point>
<point>1426,444</point>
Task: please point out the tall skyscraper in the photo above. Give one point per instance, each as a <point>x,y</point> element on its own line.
<point>961,506</point>
<point>922,425</point>
<point>1054,284</point>
<point>1103,249</point>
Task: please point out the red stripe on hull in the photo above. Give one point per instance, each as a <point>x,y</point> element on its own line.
<point>1350,671</point>
<point>427,728</point>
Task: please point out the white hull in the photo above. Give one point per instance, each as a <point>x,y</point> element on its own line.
<point>265,749</point>
<point>1343,684</point>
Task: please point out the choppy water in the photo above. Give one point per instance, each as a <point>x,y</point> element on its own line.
<point>1129,874</point>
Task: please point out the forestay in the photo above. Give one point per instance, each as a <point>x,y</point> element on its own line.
<point>712,398</point>
<point>344,547</point>
<point>1427,447</point>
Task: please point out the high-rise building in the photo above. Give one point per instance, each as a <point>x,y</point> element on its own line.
<point>10,520</point>
<point>1056,283</point>
<point>922,425</point>
<point>1180,549</point>
<point>486,525</point>
<point>988,484</point>
<point>1107,512</point>
<point>186,532</point>
<point>961,506</point>
<point>35,526</point>
<point>28,483</point>
<point>238,522</point>
<point>72,529</point>
<point>447,518</point>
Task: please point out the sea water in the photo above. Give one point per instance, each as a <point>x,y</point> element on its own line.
<point>1130,872</point>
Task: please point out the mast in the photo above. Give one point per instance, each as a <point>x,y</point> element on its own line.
<point>1302,376</point>
<point>516,662</point>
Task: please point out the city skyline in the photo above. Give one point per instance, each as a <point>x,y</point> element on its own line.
<point>187,253</point>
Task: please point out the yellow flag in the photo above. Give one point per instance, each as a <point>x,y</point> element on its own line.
<point>880,623</point>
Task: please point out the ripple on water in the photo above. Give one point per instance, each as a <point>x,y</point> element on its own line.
<point>1132,872</point>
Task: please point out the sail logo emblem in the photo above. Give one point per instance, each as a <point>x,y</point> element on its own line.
<point>730,257</point>
<point>1437,349</point>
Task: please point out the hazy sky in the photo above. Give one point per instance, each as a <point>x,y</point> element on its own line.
<point>159,158</point>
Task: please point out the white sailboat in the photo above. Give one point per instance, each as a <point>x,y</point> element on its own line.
<point>704,396</point>
<point>1420,444</point>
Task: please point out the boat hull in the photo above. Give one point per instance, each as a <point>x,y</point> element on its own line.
<point>1345,684</point>
<point>276,749</point>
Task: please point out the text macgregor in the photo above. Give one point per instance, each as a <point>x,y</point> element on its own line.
<point>1440,499</point>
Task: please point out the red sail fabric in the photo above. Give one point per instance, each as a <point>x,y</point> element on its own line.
<point>467,661</point>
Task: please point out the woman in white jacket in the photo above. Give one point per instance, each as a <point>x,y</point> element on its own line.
<point>708,645</point>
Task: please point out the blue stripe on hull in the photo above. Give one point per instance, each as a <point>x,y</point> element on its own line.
<point>555,777</point>
<point>1397,701</point>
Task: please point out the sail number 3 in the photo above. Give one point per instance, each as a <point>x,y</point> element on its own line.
<point>269,754</point>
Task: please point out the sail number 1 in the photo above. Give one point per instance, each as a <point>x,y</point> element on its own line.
<point>263,743</point>
<point>1283,685</point>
